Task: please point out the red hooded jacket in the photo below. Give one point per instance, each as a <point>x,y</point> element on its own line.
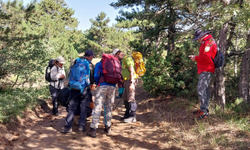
<point>207,50</point>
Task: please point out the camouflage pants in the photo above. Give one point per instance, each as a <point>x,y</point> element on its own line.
<point>105,96</point>
<point>203,89</point>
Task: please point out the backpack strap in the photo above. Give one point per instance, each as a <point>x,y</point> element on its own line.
<point>217,47</point>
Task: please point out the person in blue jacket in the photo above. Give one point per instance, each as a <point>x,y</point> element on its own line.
<point>104,97</point>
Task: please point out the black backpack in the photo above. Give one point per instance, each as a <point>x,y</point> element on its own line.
<point>63,96</point>
<point>218,59</point>
<point>48,69</point>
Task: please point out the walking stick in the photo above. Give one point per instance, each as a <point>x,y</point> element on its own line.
<point>117,104</point>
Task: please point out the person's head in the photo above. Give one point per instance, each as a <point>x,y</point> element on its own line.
<point>89,54</point>
<point>199,35</point>
<point>60,61</point>
<point>118,53</point>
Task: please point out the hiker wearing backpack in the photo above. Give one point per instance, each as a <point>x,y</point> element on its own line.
<point>206,69</point>
<point>57,75</point>
<point>107,75</point>
<point>128,73</point>
<point>132,67</point>
<point>81,81</point>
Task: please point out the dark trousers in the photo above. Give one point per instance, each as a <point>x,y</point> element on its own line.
<point>78,98</point>
<point>131,108</point>
<point>54,94</point>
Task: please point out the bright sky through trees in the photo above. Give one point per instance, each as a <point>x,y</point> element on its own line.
<point>86,9</point>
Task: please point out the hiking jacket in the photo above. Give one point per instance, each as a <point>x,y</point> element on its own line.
<point>55,73</point>
<point>207,50</point>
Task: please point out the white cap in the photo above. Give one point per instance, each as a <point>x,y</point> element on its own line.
<point>115,51</point>
<point>60,60</point>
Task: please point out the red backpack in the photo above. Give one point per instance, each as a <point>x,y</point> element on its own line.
<point>111,69</point>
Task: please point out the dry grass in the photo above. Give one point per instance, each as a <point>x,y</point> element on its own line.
<point>176,124</point>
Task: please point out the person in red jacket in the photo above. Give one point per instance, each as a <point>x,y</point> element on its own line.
<point>205,68</point>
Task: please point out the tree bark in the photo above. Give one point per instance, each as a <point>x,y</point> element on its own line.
<point>219,81</point>
<point>244,73</point>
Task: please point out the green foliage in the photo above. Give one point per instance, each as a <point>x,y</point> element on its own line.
<point>101,38</point>
<point>97,34</point>
<point>231,91</point>
<point>15,101</point>
<point>55,20</point>
<point>174,75</point>
<point>239,106</point>
<point>19,46</point>
<point>32,35</point>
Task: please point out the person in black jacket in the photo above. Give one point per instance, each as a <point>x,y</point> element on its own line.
<point>83,99</point>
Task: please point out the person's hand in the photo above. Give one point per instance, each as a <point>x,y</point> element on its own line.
<point>132,87</point>
<point>92,87</point>
<point>92,105</point>
<point>62,76</point>
<point>192,57</point>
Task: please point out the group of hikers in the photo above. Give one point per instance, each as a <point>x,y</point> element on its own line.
<point>106,84</point>
<point>126,81</point>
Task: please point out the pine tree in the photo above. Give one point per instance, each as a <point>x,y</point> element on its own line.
<point>97,34</point>
<point>20,48</point>
<point>54,19</point>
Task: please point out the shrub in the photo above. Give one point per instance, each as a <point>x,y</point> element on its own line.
<point>174,75</point>
<point>15,101</point>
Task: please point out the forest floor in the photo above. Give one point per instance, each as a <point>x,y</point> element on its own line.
<point>163,123</point>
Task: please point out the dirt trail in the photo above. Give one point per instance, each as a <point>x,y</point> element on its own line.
<point>163,123</point>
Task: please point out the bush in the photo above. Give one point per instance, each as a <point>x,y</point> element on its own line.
<point>169,76</point>
<point>174,75</point>
<point>239,106</point>
<point>15,101</point>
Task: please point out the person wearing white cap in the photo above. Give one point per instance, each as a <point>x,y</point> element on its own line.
<point>57,75</point>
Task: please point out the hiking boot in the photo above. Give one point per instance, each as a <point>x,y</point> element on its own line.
<point>65,130</point>
<point>124,117</point>
<point>130,119</point>
<point>108,130</point>
<point>196,112</point>
<point>81,129</point>
<point>201,114</point>
<point>92,133</point>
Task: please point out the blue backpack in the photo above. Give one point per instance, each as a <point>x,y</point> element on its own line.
<point>79,74</point>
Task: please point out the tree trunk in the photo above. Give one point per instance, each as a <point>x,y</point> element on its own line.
<point>244,73</point>
<point>219,81</point>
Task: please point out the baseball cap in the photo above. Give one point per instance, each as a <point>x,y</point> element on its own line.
<point>60,60</point>
<point>115,51</point>
<point>89,53</point>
